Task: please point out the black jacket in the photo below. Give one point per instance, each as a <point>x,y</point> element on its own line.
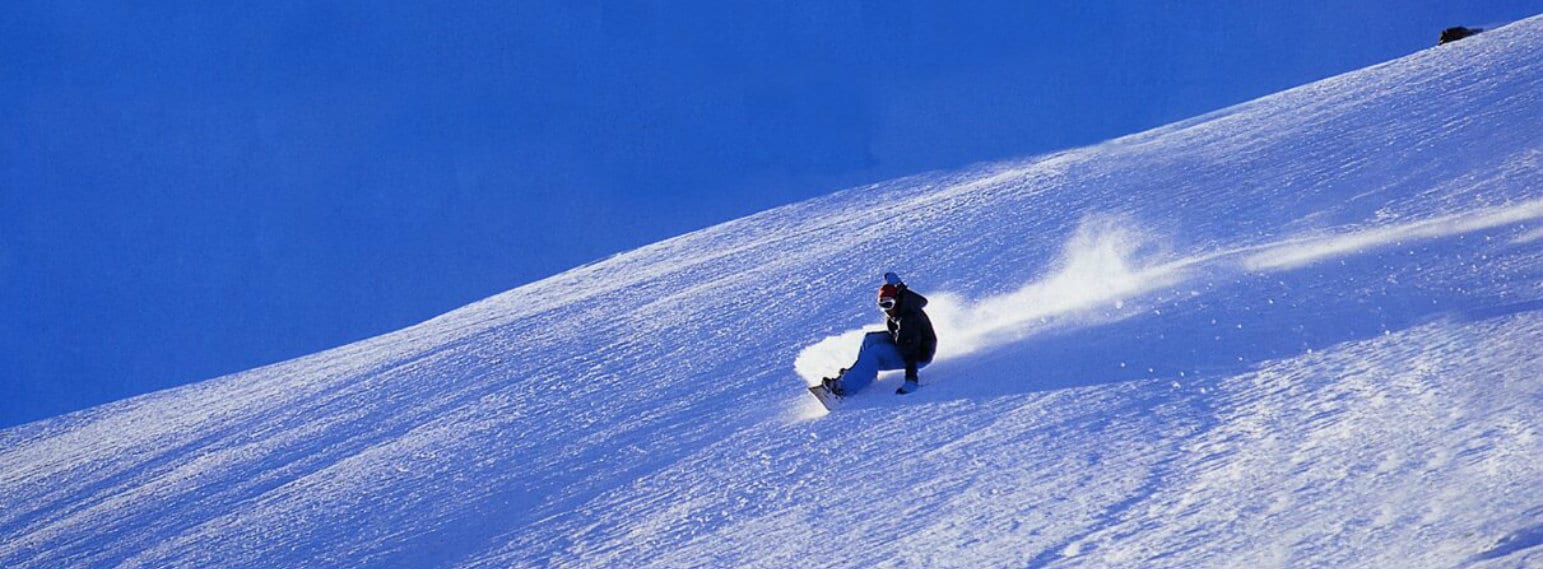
<point>912,330</point>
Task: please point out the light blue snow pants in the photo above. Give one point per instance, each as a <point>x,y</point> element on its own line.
<point>879,353</point>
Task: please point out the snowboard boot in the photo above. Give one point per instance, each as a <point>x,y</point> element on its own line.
<point>833,385</point>
<point>911,384</point>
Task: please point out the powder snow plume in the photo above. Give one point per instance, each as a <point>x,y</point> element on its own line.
<point>1108,265</point>
<point>1105,264</point>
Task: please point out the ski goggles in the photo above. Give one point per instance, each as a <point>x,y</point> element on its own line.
<point>887,303</point>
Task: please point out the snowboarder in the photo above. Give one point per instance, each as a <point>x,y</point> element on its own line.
<point>908,344</point>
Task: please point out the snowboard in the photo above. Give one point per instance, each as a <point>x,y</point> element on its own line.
<point>828,399</point>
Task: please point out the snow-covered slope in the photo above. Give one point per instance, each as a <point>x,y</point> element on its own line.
<point>1306,331</point>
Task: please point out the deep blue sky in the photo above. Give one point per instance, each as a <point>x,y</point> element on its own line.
<point>188,190</point>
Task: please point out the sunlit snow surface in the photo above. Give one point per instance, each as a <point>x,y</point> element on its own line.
<point>1306,331</point>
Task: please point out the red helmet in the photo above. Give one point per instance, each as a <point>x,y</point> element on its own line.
<point>888,296</point>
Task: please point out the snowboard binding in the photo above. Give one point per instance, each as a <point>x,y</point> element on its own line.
<point>833,384</point>
<point>829,391</point>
